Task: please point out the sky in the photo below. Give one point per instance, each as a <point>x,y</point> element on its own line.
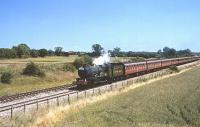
<point>132,25</point>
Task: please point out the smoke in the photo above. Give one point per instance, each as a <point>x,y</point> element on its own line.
<point>105,58</point>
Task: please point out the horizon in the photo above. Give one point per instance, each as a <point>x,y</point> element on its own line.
<point>76,25</point>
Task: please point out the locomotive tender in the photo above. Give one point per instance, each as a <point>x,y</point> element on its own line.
<point>110,72</point>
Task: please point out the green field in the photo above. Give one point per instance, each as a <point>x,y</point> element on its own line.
<point>171,102</point>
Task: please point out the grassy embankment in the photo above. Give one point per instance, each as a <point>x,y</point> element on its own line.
<point>52,66</point>
<point>171,102</point>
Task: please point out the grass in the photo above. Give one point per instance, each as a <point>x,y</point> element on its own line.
<point>172,102</point>
<point>55,76</point>
<point>169,101</point>
<point>52,66</point>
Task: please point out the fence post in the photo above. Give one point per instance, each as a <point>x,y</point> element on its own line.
<point>57,101</point>
<point>37,105</point>
<point>93,91</point>
<point>47,102</point>
<point>99,91</point>
<point>77,95</point>
<point>11,112</point>
<point>68,99</point>
<point>24,108</point>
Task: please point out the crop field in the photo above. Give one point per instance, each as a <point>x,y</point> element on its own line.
<point>171,102</point>
<point>53,59</point>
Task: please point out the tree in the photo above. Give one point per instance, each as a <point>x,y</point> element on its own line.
<point>43,52</point>
<point>159,53</point>
<point>51,52</point>
<point>65,53</point>
<point>169,52</point>
<point>116,51</point>
<point>184,53</point>
<point>34,53</point>
<point>22,50</point>
<point>7,53</point>
<point>97,49</point>
<point>58,51</point>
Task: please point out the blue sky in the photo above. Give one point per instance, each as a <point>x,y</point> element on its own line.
<point>137,25</point>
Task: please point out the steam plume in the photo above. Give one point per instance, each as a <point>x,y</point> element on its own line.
<point>105,58</point>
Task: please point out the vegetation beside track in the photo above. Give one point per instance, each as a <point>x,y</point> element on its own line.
<point>56,74</point>
<point>164,102</point>
<point>172,102</point>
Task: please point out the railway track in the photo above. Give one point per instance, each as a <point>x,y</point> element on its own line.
<point>9,98</point>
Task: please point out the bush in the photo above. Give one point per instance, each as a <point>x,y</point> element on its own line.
<point>32,69</point>
<point>69,67</point>
<point>174,69</point>
<point>84,60</point>
<point>78,62</point>
<point>6,77</point>
<point>87,59</point>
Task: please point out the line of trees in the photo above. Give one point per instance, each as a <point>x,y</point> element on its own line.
<point>24,51</point>
<point>166,52</point>
<point>171,53</point>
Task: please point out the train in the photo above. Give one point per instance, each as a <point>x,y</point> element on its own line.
<point>110,72</point>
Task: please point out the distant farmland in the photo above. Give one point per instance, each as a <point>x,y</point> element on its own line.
<point>172,102</point>
<point>52,59</point>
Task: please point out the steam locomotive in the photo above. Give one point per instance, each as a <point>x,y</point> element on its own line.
<point>109,72</point>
